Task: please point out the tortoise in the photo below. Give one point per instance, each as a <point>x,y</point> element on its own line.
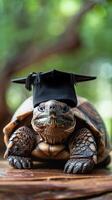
<point>54,131</point>
<point>56,125</point>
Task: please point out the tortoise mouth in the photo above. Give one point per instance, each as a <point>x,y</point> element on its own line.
<point>54,129</point>
<point>53,121</point>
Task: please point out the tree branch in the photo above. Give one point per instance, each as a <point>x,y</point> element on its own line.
<point>67,42</point>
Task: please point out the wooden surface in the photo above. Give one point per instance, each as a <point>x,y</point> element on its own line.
<point>43,183</point>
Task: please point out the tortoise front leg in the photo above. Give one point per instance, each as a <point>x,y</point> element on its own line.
<point>20,146</point>
<point>83,152</point>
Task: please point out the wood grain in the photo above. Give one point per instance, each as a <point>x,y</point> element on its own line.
<point>45,182</point>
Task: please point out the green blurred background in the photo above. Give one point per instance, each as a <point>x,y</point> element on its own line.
<point>68,35</point>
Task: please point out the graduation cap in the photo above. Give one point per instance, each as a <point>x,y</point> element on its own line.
<point>51,85</point>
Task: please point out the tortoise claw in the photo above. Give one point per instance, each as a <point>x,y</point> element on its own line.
<point>79,166</point>
<point>19,162</point>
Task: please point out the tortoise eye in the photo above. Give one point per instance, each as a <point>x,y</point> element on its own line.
<point>41,108</point>
<point>65,109</point>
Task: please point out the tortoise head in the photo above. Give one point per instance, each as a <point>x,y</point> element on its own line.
<point>53,121</point>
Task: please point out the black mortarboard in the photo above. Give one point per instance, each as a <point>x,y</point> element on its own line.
<point>51,85</point>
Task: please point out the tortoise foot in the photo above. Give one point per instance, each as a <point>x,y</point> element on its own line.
<point>19,162</point>
<point>79,166</point>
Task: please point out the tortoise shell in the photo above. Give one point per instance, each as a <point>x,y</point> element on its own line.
<point>84,111</point>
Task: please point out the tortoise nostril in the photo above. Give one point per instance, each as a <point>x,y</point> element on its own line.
<point>52,107</point>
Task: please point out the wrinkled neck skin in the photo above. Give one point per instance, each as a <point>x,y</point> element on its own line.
<point>53,121</point>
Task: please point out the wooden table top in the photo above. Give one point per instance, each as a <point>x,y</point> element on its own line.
<point>45,182</point>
